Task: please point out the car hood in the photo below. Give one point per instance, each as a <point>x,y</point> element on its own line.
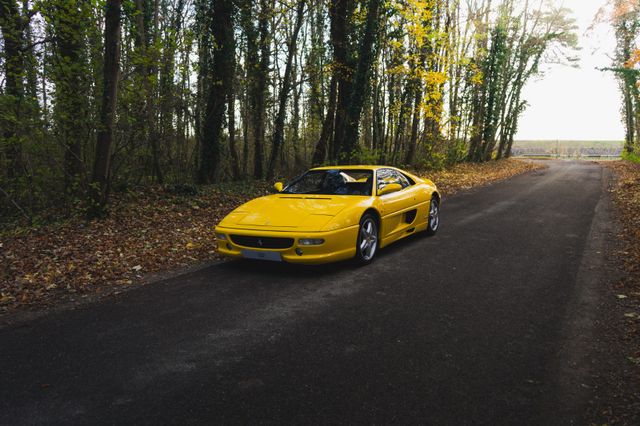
<point>304,212</point>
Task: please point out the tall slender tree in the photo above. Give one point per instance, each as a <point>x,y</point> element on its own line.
<point>12,26</point>
<point>278,132</point>
<point>69,74</point>
<point>221,82</point>
<point>99,191</point>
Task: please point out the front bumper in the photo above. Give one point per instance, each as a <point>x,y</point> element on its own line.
<point>338,245</point>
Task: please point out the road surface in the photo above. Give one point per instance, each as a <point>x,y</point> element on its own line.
<point>488,322</point>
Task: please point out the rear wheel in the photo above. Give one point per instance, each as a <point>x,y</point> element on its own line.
<point>367,243</point>
<point>434,216</point>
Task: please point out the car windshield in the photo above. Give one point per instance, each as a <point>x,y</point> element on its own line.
<point>332,182</point>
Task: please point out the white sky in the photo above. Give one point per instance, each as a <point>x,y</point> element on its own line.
<point>576,104</point>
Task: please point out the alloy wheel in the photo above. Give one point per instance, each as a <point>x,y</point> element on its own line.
<point>368,242</point>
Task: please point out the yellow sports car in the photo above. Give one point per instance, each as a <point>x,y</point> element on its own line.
<point>331,213</point>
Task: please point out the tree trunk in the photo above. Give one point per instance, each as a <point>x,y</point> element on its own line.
<point>479,97</point>
<point>413,140</point>
<point>10,24</point>
<point>295,127</point>
<point>69,77</point>
<point>245,134</point>
<point>320,152</point>
<point>99,190</point>
<point>222,70</point>
<point>260,93</point>
<point>340,13</point>
<point>231,114</point>
<point>278,133</point>
<point>314,65</point>
<point>405,110</point>
<point>147,74</point>
<point>252,61</point>
<point>361,81</point>
<point>169,89</point>
<point>494,102</point>
<point>629,112</point>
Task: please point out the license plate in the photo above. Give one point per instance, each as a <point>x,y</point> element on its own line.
<point>273,256</point>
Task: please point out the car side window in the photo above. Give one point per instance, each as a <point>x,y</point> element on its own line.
<point>403,180</point>
<point>388,176</point>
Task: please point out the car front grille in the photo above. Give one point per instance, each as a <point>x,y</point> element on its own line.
<point>262,242</point>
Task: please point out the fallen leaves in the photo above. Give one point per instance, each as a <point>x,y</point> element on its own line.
<point>625,192</point>
<point>150,230</point>
<point>468,175</point>
<point>626,196</point>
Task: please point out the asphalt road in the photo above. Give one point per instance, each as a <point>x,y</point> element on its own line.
<point>488,322</point>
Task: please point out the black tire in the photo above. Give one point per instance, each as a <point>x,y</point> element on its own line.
<point>367,242</point>
<point>433,223</point>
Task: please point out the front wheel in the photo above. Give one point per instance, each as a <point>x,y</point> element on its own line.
<point>367,243</point>
<point>434,216</point>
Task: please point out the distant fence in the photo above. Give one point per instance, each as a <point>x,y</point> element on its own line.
<point>575,156</point>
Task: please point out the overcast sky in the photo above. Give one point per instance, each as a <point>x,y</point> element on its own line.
<point>576,104</point>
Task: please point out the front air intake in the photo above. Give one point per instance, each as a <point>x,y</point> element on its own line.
<point>262,242</point>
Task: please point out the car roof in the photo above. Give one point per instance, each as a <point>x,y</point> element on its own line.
<point>360,167</point>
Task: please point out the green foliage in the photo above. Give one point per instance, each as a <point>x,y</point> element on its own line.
<point>361,156</point>
<point>456,152</point>
<point>415,82</point>
<point>634,157</point>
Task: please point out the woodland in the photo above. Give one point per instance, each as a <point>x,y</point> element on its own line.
<point>99,96</point>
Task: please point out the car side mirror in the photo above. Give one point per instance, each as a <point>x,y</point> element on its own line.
<point>278,186</point>
<point>388,189</point>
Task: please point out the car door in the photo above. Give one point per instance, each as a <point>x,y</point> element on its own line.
<point>397,208</point>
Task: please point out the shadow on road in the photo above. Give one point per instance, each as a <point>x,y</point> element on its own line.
<point>284,269</point>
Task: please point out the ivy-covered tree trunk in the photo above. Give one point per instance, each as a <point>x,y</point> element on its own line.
<point>366,58</point>
<point>340,13</point>
<point>12,34</point>
<point>221,76</point>
<point>70,69</point>
<point>99,190</point>
<point>494,68</point>
<point>147,75</point>
<point>479,99</point>
<point>315,62</point>
<point>251,66</point>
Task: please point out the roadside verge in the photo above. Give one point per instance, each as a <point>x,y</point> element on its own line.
<point>617,400</point>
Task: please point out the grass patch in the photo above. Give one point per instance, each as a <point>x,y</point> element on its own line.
<point>634,157</point>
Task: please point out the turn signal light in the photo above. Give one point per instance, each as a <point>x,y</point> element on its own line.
<point>310,241</point>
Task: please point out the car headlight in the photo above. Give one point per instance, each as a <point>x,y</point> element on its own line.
<point>310,241</point>
<point>222,237</point>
